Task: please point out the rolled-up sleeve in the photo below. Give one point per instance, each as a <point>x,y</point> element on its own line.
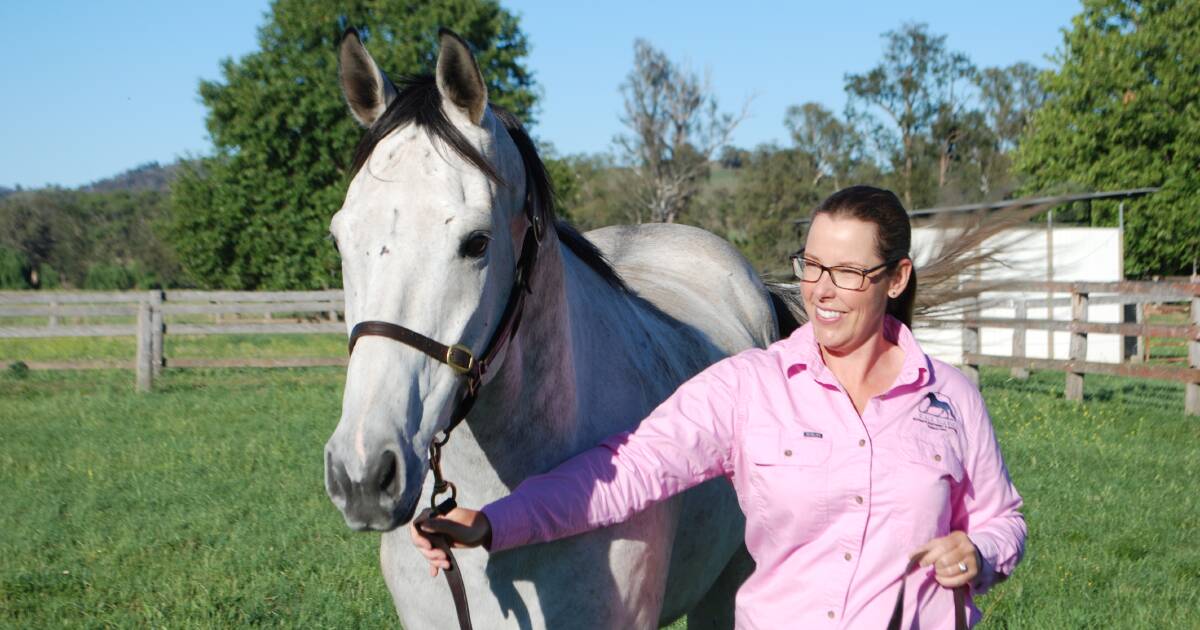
<point>685,441</point>
<point>988,506</point>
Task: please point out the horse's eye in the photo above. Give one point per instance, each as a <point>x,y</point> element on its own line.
<point>475,245</point>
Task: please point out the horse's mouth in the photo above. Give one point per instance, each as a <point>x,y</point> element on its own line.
<point>382,522</point>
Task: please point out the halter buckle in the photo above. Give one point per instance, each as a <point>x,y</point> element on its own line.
<point>460,359</point>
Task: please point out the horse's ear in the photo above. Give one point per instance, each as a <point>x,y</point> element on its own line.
<point>367,89</point>
<point>458,76</point>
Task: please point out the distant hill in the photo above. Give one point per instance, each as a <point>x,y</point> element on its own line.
<point>6,191</point>
<point>148,176</point>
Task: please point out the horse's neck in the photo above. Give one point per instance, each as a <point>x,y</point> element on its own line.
<point>576,329</point>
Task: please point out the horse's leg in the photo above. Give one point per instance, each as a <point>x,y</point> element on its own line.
<point>715,609</point>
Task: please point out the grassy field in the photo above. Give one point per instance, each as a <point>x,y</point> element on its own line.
<point>201,504</point>
<point>175,347</point>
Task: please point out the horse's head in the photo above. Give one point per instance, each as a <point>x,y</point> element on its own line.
<point>428,235</point>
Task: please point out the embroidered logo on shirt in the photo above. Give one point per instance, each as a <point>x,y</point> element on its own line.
<point>813,434</point>
<point>937,412</point>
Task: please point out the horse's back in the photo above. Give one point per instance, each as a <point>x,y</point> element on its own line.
<point>695,277</point>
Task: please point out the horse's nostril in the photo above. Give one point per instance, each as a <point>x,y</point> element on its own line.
<point>388,482</point>
<point>335,481</point>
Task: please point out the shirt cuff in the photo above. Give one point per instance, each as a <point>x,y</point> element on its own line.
<point>987,575</point>
<point>507,522</point>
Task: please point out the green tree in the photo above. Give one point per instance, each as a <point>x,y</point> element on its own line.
<point>920,88</point>
<point>256,213</point>
<point>832,146</point>
<point>1123,112</point>
<point>14,270</point>
<point>68,232</point>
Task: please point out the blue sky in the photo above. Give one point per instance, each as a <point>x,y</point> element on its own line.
<point>93,88</point>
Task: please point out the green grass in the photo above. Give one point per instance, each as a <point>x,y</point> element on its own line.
<point>1110,498</point>
<point>176,347</point>
<point>201,504</point>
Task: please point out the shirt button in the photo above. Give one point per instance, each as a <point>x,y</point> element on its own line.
<point>937,458</point>
<point>862,442</point>
<point>830,613</point>
<point>787,453</point>
<point>858,500</point>
<point>847,556</point>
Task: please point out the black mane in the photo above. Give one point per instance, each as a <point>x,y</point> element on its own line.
<point>420,103</point>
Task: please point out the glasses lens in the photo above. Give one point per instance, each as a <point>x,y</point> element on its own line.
<point>804,271</point>
<point>847,278</point>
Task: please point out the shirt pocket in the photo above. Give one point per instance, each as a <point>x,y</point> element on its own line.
<point>932,467</point>
<point>790,475</point>
<point>936,451</point>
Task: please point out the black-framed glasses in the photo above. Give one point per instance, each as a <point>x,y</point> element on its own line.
<point>849,278</point>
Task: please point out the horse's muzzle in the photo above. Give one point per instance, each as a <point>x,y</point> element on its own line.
<point>373,502</point>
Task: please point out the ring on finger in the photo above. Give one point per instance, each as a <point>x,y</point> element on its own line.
<point>962,567</point>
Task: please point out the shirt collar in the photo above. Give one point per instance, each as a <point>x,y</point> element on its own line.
<point>806,355</point>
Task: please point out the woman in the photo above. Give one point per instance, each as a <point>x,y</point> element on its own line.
<point>853,454</point>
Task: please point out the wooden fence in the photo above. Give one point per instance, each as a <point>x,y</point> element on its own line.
<point>157,313</point>
<point>154,311</point>
<point>1135,295</point>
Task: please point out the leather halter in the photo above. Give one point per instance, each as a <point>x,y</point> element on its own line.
<point>459,356</point>
<point>472,369</point>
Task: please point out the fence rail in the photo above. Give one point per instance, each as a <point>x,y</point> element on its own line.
<point>151,310</point>
<point>1076,365</point>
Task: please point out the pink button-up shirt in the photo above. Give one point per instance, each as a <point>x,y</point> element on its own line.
<point>834,502</point>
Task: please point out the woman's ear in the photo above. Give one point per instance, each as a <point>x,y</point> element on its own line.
<point>899,278</point>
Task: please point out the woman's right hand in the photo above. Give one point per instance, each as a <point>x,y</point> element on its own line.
<point>463,527</point>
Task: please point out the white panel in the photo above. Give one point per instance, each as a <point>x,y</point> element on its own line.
<point>1080,255</point>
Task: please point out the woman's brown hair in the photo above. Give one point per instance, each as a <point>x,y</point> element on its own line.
<point>893,234</point>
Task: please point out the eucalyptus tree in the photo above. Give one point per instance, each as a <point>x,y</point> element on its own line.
<point>675,129</point>
<point>921,87</point>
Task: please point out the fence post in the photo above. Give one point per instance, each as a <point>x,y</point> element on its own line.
<point>1018,342</point>
<point>53,321</point>
<point>157,331</point>
<point>1143,351</point>
<point>971,342</point>
<point>144,361</point>
<point>1191,404</point>
<point>1078,350</point>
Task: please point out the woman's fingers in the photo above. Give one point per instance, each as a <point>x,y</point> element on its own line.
<point>464,527</point>
<point>436,558</point>
<point>419,540</point>
<point>953,558</point>
<point>461,526</point>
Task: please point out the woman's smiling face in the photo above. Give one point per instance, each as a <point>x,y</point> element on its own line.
<point>843,319</point>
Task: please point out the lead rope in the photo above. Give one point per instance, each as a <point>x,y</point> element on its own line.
<point>960,606</point>
<point>458,590</point>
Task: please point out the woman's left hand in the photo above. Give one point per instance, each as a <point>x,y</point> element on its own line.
<point>949,555</point>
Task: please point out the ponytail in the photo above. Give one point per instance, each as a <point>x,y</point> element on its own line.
<point>902,307</point>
